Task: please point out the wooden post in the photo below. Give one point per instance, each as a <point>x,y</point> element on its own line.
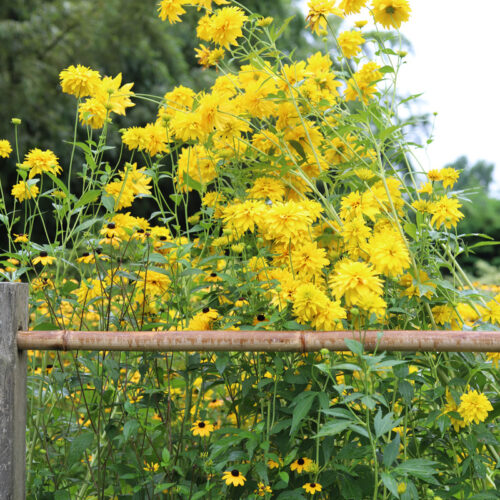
<point>13,317</point>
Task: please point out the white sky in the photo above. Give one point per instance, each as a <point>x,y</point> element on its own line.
<point>455,64</point>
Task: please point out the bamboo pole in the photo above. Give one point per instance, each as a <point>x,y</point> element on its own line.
<point>263,341</point>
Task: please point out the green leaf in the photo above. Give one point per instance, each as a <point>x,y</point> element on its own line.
<point>130,427</point>
<point>304,402</point>
<point>391,451</point>
<point>390,483</point>
<point>383,424</point>
<point>87,197</point>
<point>333,428</point>
<point>108,202</point>
<point>406,390</point>
<point>354,346</point>
<point>418,467</point>
<point>79,445</point>
<point>176,198</point>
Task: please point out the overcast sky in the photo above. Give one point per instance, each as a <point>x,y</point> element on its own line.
<point>455,64</point>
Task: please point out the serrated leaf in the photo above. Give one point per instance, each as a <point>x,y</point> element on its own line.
<point>81,442</point>
<point>354,346</point>
<point>391,451</point>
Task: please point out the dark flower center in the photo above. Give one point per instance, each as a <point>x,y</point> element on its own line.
<point>85,254</point>
<point>235,473</point>
<point>140,231</point>
<point>213,275</point>
<point>261,317</point>
<point>241,299</point>
<point>390,10</point>
<point>43,254</point>
<point>201,425</point>
<point>206,309</point>
<point>300,461</point>
<point>111,225</point>
<point>163,238</point>
<point>312,485</point>
<point>98,251</point>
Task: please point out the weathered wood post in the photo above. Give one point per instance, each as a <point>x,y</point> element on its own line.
<point>13,317</point>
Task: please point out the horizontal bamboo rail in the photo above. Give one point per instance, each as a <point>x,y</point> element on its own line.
<point>268,341</point>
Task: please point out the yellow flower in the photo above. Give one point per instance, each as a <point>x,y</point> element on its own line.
<point>272,464</point>
<point>39,162</point>
<point>318,10</point>
<point>312,488</point>
<point>234,477</point>
<point>308,301</point>
<point>262,489</point>
<point>391,13</point>
<point>242,217</point>
<point>171,10</point>
<point>449,176</point>
<point>451,406</point>
<point>445,211</point>
<point>79,80</point>
<point>21,238</point>
<point>113,96</point>
<point>265,21</point>
<point>24,191</point>
<point>203,320</point>
<point>151,467</point>
<point>301,464</point>
<point>474,407</point>
<point>267,188</point>
<point>43,258</point>
<point>434,175</point>
<point>362,84</point>
<point>195,163</point>
<point>350,42</point>
<point>426,188</point>
<point>494,357</point>
<point>308,260</point>
<point>388,253</point>
<point>402,488</point>
<point>421,205</point>
<point>352,6</point>
<point>202,428</point>
<point>225,26</point>
<point>93,113</point>
<point>355,281</point>
<point>5,148</point>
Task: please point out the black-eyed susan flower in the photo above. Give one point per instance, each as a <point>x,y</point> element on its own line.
<point>21,238</point>
<point>234,477</point>
<point>272,464</point>
<point>312,488</point>
<point>86,258</point>
<point>44,259</point>
<point>474,407</point>
<point>202,428</point>
<point>262,489</point>
<point>151,467</point>
<point>301,464</point>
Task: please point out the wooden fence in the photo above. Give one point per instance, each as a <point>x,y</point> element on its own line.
<point>15,339</point>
